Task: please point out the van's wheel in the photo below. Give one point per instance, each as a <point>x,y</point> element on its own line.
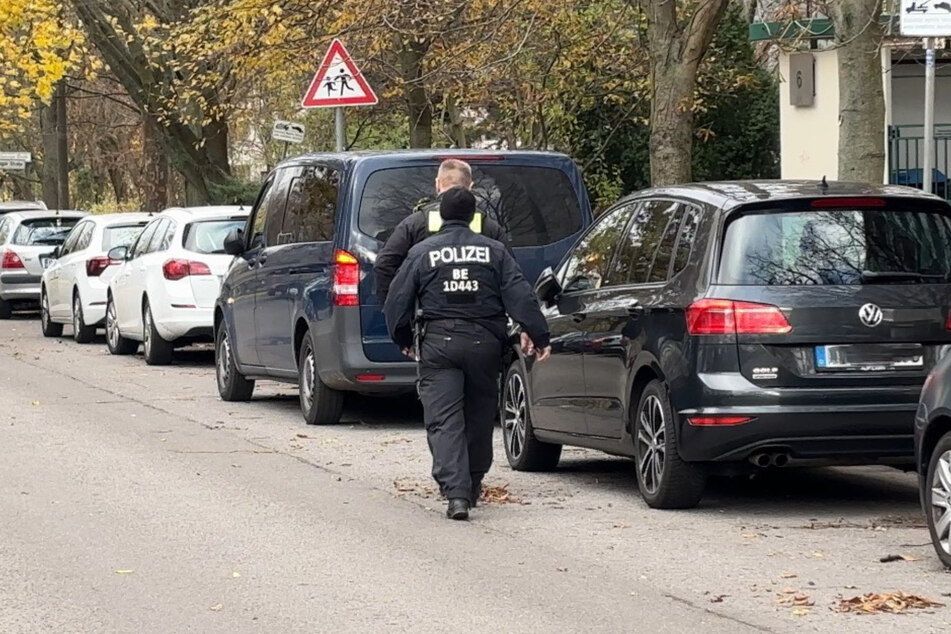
<point>49,328</point>
<point>523,450</point>
<point>156,350</point>
<point>81,332</point>
<point>232,386</point>
<point>319,404</point>
<point>938,499</point>
<point>115,342</point>
<point>664,479</point>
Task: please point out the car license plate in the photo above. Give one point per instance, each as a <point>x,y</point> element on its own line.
<point>45,262</point>
<point>870,357</point>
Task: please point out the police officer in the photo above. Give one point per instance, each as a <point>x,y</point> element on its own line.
<point>463,283</point>
<point>424,222</point>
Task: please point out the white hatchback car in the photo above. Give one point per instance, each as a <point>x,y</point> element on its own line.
<point>73,289</point>
<point>163,294</point>
<point>27,242</point>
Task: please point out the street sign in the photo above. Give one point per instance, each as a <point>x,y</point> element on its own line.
<point>288,131</point>
<point>12,165</point>
<point>25,157</point>
<point>925,18</point>
<point>338,82</point>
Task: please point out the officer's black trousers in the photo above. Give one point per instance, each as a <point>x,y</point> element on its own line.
<point>459,371</point>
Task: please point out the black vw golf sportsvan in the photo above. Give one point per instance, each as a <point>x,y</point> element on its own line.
<point>722,327</point>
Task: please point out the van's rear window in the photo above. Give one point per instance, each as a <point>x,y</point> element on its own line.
<point>837,247</point>
<point>536,205</point>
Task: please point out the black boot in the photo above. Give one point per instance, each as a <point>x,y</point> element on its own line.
<point>458,509</point>
<point>476,493</point>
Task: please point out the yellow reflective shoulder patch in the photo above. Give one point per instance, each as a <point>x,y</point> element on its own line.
<point>476,224</point>
<point>434,222</point>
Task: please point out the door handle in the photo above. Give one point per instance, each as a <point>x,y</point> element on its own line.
<point>262,259</point>
<point>578,317</point>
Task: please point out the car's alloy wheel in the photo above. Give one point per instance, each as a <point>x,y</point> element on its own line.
<point>49,328</point>
<point>319,404</point>
<point>115,342</point>
<point>523,451</point>
<point>665,480</point>
<point>232,386</point>
<point>81,332</point>
<point>938,499</point>
<point>156,350</point>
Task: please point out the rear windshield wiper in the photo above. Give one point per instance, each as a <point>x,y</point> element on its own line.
<point>885,277</point>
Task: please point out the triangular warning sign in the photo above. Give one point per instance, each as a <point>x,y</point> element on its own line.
<point>338,82</point>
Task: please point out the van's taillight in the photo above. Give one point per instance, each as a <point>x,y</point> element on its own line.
<point>180,269</point>
<point>847,203</point>
<point>95,266</point>
<point>726,317</point>
<point>11,261</point>
<point>346,279</point>
<point>947,322</point>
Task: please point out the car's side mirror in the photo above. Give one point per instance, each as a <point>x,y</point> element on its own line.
<point>579,283</point>
<point>118,254</point>
<point>547,288</point>
<point>234,242</point>
<point>57,251</point>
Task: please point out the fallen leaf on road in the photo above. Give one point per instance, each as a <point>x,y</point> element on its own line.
<point>497,495</point>
<point>394,441</point>
<point>409,485</point>
<point>304,436</point>
<point>622,525</point>
<point>123,572</point>
<point>787,590</point>
<point>887,559</point>
<point>562,569</point>
<point>794,599</point>
<point>818,555</point>
<point>216,607</point>
<point>235,575</point>
<point>718,598</point>
<point>888,602</point>
<point>801,612</point>
<point>788,575</point>
<point>35,403</point>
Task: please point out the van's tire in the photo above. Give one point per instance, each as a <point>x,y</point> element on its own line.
<point>664,479</point>
<point>47,325</point>
<point>523,451</point>
<point>156,350</point>
<point>81,332</point>
<point>115,342</point>
<point>319,404</point>
<point>6,310</point>
<point>232,386</point>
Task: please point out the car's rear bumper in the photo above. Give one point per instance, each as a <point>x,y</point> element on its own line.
<point>20,287</point>
<point>830,426</point>
<point>194,324</point>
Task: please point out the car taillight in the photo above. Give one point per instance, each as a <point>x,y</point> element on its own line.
<point>95,266</point>
<point>346,279</point>
<point>726,317</point>
<point>11,261</point>
<point>179,269</point>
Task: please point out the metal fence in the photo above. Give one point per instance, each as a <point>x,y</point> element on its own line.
<point>906,145</point>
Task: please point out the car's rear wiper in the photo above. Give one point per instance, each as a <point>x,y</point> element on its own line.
<point>885,277</point>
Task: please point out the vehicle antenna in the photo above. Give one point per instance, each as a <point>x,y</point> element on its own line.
<point>824,185</point>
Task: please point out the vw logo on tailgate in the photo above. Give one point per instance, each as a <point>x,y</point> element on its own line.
<point>871,315</point>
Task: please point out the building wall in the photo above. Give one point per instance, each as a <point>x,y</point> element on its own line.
<point>908,94</point>
<point>809,137</point>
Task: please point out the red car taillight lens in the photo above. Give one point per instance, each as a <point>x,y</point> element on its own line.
<point>180,269</point>
<point>726,317</point>
<point>11,261</point>
<point>95,266</point>
<point>346,279</point>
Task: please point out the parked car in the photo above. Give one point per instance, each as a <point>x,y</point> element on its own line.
<point>300,305</point>
<point>708,327</point>
<point>27,242</point>
<point>73,288</point>
<point>163,292</point>
<point>10,206</point>
<point>933,453</point>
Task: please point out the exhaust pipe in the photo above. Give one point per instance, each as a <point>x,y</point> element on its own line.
<point>761,460</point>
<point>780,459</point>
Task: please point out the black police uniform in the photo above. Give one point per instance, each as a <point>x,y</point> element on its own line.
<point>464,284</point>
<point>411,231</point>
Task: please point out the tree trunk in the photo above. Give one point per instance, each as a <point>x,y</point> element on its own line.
<point>154,167</point>
<point>676,49</point>
<point>418,107</point>
<point>456,130</point>
<point>48,169</point>
<point>859,34</point>
<point>62,146</point>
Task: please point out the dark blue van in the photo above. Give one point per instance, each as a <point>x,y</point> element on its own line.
<point>299,304</point>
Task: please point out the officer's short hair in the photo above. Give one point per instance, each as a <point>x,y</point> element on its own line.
<point>455,173</point>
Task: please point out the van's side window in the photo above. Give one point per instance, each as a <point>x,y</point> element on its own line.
<point>688,233</point>
<point>311,206</point>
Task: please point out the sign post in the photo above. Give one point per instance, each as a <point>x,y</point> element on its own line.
<point>927,19</point>
<point>337,84</point>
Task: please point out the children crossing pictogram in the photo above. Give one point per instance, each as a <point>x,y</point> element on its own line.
<point>338,82</point>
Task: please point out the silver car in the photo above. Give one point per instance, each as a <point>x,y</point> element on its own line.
<point>27,242</point>
<point>20,205</point>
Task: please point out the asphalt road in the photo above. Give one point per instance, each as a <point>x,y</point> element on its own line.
<point>133,500</point>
